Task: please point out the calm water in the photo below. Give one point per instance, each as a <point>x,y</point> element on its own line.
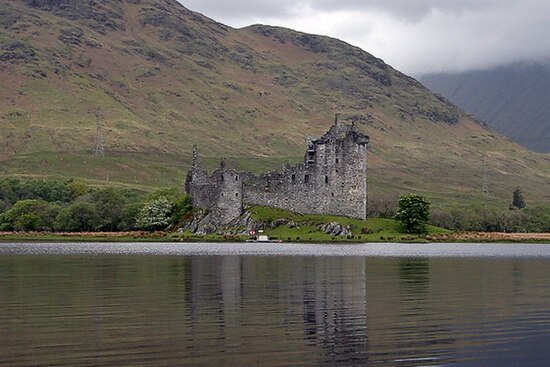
<point>274,305</point>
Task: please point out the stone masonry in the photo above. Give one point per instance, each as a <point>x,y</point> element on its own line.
<point>331,180</point>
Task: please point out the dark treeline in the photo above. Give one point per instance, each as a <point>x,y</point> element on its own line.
<point>516,218</point>
<point>46,205</point>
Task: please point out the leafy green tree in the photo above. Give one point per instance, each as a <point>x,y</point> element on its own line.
<point>109,204</point>
<point>8,190</point>
<point>155,215</point>
<point>517,199</point>
<point>77,188</point>
<point>414,212</point>
<point>28,222</point>
<point>128,217</point>
<point>78,217</point>
<point>29,215</point>
<point>182,206</point>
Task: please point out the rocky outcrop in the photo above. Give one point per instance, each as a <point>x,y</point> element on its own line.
<point>206,222</point>
<point>335,229</point>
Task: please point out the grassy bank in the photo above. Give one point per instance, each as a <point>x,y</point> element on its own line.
<point>463,237</point>
<point>305,228</point>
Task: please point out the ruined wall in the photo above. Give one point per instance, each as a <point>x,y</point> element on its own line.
<point>221,192</point>
<point>331,180</point>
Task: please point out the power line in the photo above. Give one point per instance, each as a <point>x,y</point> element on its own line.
<point>99,151</point>
<point>485,184</point>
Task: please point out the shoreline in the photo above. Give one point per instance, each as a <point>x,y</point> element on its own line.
<point>142,236</point>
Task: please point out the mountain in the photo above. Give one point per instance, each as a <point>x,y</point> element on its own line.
<point>160,78</point>
<point>512,99</point>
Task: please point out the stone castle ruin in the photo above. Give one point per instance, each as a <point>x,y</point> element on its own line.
<point>331,180</point>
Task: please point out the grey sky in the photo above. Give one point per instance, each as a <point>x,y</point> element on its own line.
<point>414,36</point>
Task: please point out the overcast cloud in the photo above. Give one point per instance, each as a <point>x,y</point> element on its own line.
<point>414,36</point>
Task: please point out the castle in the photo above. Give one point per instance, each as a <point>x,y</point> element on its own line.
<point>331,180</point>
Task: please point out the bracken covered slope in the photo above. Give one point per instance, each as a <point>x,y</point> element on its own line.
<point>165,78</point>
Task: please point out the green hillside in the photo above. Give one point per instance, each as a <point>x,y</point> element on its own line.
<point>165,78</point>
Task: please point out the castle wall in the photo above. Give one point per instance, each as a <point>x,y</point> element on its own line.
<point>221,192</point>
<point>331,180</point>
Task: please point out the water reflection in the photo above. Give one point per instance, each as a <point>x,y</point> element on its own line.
<point>272,311</point>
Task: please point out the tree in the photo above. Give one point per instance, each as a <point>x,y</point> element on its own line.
<point>414,212</point>
<point>109,204</point>
<point>155,215</point>
<point>27,215</point>
<point>78,217</point>
<point>517,199</point>
<point>182,206</point>
<point>128,217</point>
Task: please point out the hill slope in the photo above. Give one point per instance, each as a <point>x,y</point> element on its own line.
<point>165,78</point>
<point>512,99</point>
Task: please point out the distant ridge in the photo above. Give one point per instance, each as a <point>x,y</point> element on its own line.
<point>513,99</point>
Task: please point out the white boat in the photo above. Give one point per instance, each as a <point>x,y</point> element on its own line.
<point>263,238</point>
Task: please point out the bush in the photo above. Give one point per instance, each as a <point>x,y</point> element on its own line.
<point>27,222</point>
<point>109,205</point>
<point>414,212</point>
<point>517,199</point>
<point>128,217</point>
<point>78,217</point>
<point>182,206</point>
<point>155,215</point>
<point>28,215</point>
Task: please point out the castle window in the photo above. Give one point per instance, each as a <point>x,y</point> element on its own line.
<point>306,178</point>
<point>221,178</point>
<point>293,178</point>
<point>336,171</point>
<point>236,194</point>
<point>236,178</point>
<point>326,179</point>
<point>331,194</point>
<point>337,160</point>
<point>222,193</point>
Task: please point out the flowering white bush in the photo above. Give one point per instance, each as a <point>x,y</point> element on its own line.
<point>155,214</point>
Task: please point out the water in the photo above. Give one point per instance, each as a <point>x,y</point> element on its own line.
<point>274,305</point>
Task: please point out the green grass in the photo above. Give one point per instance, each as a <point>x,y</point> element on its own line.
<point>305,227</point>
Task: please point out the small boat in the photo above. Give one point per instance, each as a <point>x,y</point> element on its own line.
<point>264,239</point>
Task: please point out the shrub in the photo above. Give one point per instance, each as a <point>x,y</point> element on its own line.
<point>78,217</point>
<point>517,199</point>
<point>28,215</point>
<point>128,217</point>
<point>109,204</point>
<point>155,215</point>
<point>414,212</point>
